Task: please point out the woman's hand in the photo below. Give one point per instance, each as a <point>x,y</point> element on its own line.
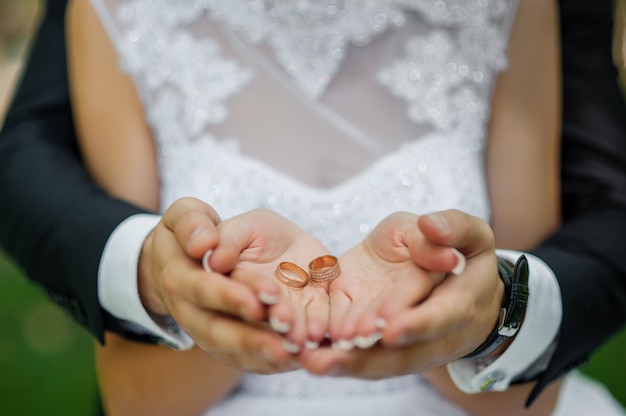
<point>380,278</point>
<point>429,320</point>
<point>250,248</point>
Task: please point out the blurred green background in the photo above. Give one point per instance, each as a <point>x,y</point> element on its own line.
<point>46,359</point>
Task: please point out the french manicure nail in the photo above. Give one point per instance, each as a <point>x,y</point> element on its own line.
<point>311,345</point>
<point>367,342</point>
<point>460,265</point>
<point>268,299</point>
<point>290,347</point>
<point>278,325</point>
<point>344,345</point>
<point>205,261</point>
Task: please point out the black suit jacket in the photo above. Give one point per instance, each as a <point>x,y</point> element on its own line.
<point>588,253</point>
<point>54,221</point>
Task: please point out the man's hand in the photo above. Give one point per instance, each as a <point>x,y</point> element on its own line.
<point>222,315</point>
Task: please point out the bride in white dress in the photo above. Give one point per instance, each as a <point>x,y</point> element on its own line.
<point>334,114</point>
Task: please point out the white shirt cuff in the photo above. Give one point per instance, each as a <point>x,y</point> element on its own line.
<point>117,282</point>
<point>541,324</point>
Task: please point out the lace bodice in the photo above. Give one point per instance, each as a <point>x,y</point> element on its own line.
<point>333,113</point>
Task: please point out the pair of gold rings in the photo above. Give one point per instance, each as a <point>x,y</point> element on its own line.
<point>321,270</point>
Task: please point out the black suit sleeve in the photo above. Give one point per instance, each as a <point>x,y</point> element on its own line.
<point>54,222</point>
<point>587,254</point>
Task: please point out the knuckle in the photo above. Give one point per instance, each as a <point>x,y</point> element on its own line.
<point>168,282</point>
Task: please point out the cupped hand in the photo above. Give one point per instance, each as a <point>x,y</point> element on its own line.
<point>381,267</point>
<point>220,314</point>
<point>250,248</point>
<point>451,317</point>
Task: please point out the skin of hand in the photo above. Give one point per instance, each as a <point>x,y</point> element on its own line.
<point>222,315</point>
<point>380,267</point>
<point>457,229</point>
<point>420,338</point>
<point>250,248</point>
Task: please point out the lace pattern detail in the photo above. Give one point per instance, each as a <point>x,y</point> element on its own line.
<point>185,80</point>
<point>445,77</point>
<point>410,179</point>
<point>310,37</point>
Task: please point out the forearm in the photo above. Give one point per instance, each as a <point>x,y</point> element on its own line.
<point>586,255</point>
<point>139,379</point>
<point>53,220</point>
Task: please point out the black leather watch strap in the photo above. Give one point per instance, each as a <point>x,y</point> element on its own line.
<point>515,279</point>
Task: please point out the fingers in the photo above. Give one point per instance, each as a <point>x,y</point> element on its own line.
<point>457,229</point>
<point>461,314</point>
<point>241,345</point>
<point>184,282</point>
<point>407,294</point>
<point>340,303</point>
<point>433,319</point>
<point>193,223</point>
<point>260,281</point>
<point>375,363</point>
<point>317,317</point>
<point>234,237</point>
<point>354,316</point>
<point>301,317</point>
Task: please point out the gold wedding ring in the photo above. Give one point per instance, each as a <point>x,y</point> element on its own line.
<point>324,269</point>
<point>292,275</point>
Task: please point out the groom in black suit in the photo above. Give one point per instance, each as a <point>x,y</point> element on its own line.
<point>55,222</point>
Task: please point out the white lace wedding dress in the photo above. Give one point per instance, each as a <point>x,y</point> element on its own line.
<point>334,113</point>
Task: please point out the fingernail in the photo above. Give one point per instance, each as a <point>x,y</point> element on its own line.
<point>381,323</point>
<point>311,345</point>
<point>343,344</point>
<point>268,299</point>
<point>205,261</point>
<point>440,222</point>
<point>290,347</point>
<point>460,265</point>
<point>278,325</point>
<point>367,342</point>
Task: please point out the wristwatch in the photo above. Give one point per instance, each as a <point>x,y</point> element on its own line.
<point>515,279</point>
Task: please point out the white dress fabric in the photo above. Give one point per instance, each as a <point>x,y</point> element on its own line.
<point>333,113</point>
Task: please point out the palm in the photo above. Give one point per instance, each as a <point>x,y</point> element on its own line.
<point>380,271</point>
<point>270,239</point>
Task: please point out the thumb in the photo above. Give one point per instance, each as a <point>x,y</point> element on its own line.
<point>193,222</point>
<point>467,233</point>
